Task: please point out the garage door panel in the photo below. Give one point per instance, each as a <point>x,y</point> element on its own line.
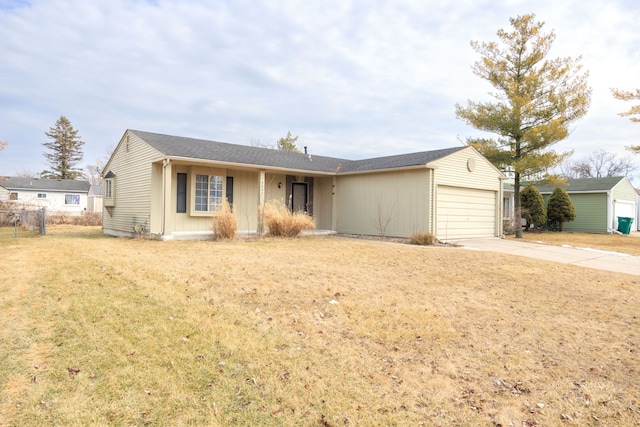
<point>465,213</point>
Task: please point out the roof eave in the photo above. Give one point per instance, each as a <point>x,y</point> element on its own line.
<point>579,191</point>
<point>248,165</point>
<point>402,168</point>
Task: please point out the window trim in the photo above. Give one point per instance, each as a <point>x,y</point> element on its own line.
<point>192,178</point>
<point>109,191</point>
<point>73,197</point>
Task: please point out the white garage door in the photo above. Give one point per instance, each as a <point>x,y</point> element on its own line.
<point>626,209</point>
<point>464,213</point>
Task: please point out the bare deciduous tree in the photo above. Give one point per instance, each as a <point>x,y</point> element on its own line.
<point>599,164</point>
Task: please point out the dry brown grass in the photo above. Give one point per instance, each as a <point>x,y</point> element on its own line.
<point>423,239</point>
<point>313,331</point>
<point>87,219</point>
<point>225,224</point>
<point>629,244</point>
<point>281,222</point>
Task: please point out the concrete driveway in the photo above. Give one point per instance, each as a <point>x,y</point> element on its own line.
<point>583,257</point>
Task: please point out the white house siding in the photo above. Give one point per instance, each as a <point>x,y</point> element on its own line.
<point>4,193</point>
<point>624,197</point>
<point>131,162</point>
<point>54,201</point>
<point>390,203</point>
<point>468,196</point>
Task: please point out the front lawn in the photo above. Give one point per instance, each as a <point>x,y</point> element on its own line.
<point>629,244</point>
<point>318,331</point>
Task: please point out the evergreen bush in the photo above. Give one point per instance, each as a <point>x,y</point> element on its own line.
<point>560,209</point>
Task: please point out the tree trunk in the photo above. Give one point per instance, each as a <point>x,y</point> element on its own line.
<point>516,206</point>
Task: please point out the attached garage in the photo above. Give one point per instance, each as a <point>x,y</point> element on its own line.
<point>464,213</point>
<point>451,193</point>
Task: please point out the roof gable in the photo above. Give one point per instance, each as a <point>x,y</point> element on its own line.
<point>39,184</point>
<point>199,149</point>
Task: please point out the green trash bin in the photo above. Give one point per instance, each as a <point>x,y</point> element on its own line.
<point>624,224</point>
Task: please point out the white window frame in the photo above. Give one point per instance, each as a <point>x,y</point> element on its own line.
<point>73,197</point>
<point>109,191</point>
<point>214,193</point>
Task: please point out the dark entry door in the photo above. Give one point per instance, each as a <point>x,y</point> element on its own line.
<point>299,194</point>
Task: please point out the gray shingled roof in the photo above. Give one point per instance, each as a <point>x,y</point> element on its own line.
<point>575,185</point>
<point>176,146</point>
<point>38,184</point>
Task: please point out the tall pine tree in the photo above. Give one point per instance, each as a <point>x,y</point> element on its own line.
<point>536,101</point>
<point>65,151</point>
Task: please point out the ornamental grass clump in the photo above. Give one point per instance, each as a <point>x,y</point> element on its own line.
<point>225,224</point>
<point>423,239</point>
<point>282,222</point>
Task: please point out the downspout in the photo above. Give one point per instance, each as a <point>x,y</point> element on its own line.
<point>165,163</point>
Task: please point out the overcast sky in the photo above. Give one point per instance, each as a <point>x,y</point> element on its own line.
<point>353,79</point>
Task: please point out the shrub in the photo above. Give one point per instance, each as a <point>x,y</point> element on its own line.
<point>532,207</point>
<point>560,208</point>
<point>282,222</point>
<point>422,238</point>
<point>225,224</point>
<point>87,219</point>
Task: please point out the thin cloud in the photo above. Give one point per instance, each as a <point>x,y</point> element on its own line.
<point>352,78</point>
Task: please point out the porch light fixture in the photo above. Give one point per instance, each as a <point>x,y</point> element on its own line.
<point>280,184</point>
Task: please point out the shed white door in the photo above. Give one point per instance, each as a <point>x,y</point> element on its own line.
<point>464,213</point>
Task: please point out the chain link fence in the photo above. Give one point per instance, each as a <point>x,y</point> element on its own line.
<point>16,223</point>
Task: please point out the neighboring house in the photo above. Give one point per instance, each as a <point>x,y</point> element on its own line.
<point>57,195</point>
<point>598,202</point>
<point>94,199</point>
<point>168,187</point>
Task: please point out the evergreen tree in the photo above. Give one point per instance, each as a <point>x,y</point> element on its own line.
<point>560,208</point>
<point>288,143</point>
<point>65,148</point>
<point>536,101</point>
<point>634,111</point>
<point>532,205</point>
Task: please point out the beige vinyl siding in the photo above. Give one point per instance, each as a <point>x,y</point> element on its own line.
<point>625,191</point>
<point>271,191</point>
<point>323,202</point>
<point>453,171</point>
<point>624,197</point>
<point>464,213</point>
<point>245,199</point>
<point>468,199</point>
<point>131,163</point>
<point>391,203</point>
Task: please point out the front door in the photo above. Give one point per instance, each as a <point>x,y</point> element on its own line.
<point>299,196</point>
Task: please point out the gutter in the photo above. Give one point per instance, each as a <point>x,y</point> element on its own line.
<point>191,160</point>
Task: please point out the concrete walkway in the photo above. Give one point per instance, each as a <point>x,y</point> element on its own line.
<point>583,257</point>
